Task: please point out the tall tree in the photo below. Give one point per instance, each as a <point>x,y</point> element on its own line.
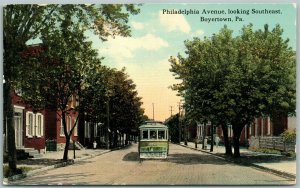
<point>24,22</point>
<point>111,96</point>
<point>232,80</point>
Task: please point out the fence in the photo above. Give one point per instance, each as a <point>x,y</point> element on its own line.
<point>272,143</point>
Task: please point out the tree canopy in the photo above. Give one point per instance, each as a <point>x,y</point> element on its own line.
<point>232,80</point>
<point>62,30</point>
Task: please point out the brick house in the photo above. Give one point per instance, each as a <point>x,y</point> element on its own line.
<point>260,127</point>
<point>54,128</point>
<point>29,125</point>
<point>34,129</point>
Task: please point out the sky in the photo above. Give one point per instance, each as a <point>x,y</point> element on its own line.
<point>159,32</point>
<point>156,36</point>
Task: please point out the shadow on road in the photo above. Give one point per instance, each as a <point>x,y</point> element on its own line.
<point>132,156</point>
<point>54,179</point>
<point>190,159</point>
<point>44,162</point>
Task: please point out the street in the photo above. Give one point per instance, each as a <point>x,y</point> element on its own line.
<point>183,167</point>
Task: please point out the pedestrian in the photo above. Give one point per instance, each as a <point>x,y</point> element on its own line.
<point>217,140</point>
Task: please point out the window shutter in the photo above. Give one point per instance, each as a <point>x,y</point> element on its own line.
<point>27,123</point>
<point>42,125</point>
<point>34,124</point>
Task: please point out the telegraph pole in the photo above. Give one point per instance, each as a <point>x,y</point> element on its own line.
<point>179,122</point>
<point>153,110</point>
<point>171,110</point>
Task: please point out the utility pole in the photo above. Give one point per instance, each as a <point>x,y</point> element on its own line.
<point>153,110</point>
<point>171,110</point>
<point>179,122</point>
<point>107,125</point>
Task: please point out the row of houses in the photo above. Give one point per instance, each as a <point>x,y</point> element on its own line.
<point>35,129</point>
<point>260,127</point>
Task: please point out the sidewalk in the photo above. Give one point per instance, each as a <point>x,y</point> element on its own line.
<point>52,160</point>
<point>274,163</point>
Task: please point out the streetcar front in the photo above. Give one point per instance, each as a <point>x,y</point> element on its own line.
<point>153,141</point>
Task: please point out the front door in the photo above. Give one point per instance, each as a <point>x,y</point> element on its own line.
<point>18,122</point>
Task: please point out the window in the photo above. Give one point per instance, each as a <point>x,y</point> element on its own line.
<point>161,134</point>
<point>87,130</point>
<point>39,125</point>
<point>30,124</point>
<point>76,129</point>
<point>153,134</point>
<point>34,124</point>
<point>250,130</point>
<point>61,132</point>
<point>95,130</point>
<point>69,123</point>
<point>268,126</point>
<point>145,134</point>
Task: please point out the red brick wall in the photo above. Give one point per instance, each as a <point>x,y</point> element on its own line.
<point>34,142</point>
<point>50,125</point>
<point>62,139</point>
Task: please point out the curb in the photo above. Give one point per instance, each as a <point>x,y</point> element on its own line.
<point>258,167</point>
<point>58,165</point>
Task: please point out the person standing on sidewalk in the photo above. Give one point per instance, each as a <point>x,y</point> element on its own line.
<point>217,140</point>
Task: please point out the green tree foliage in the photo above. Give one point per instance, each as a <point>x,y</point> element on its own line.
<point>232,80</point>
<point>113,89</point>
<point>56,74</point>
<point>24,22</point>
<point>125,105</point>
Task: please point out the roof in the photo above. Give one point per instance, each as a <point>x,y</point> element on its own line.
<point>152,124</point>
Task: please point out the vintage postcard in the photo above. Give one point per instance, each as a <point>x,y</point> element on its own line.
<point>149,94</point>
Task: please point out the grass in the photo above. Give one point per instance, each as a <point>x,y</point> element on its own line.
<point>20,170</point>
<point>265,150</point>
<point>290,154</point>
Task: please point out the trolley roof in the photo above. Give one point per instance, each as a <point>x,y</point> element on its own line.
<point>152,124</point>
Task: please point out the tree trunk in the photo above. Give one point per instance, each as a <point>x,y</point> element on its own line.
<point>212,138</point>
<point>66,150</point>
<point>236,141</point>
<point>65,157</point>
<point>107,125</point>
<point>10,132</point>
<point>80,125</point>
<point>179,127</point>
<point>228,150</point>
<point>115,137</point>
<point>203,135</point>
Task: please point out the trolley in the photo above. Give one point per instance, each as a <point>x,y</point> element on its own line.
<point>154,140</point>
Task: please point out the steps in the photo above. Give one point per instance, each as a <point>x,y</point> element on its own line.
<point>32,153</point>
<point>78,146</point>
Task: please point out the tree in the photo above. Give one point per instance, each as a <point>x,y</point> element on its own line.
<point>172,123</point>
<point>202,72</point>
<point>125,105</point>
<point>25,22</point>
<point>263,78</point>
<point>232,80</point>
<point>110,96</point>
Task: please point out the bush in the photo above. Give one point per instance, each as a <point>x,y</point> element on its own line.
<point>289,135</point>
<point>23,169</point>
<point>291,154</point>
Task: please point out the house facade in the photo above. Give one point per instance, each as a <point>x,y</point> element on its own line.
<point>34,129</point>
<point>54,131</point>
<point>260,127</point>
<point>29,125</point>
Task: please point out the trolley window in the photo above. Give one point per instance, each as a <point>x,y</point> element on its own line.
<point>153,134</point>
<point>161,134</point>
<point>145,134</point>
